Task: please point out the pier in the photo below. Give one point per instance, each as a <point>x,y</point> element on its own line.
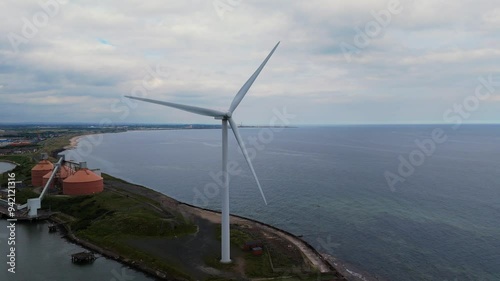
<point>83,257</point>
<point>53,227</point>
<point>23,215</point>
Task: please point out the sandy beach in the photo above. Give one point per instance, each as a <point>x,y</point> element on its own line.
<point>73,142</point>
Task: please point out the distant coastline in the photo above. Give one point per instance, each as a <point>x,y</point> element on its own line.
<point>73,142</point>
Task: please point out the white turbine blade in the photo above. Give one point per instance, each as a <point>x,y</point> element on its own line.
<point>241,93</point>
<point>188,108</point>
<point>234,127</point>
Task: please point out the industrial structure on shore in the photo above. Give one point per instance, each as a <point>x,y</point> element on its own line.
<point>41,169</point>
<point>63,177</point>
<point>71,177</point>
<point>83,182</point>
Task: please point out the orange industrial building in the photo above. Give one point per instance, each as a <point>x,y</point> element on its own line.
<point>83,182</point>
<point>41,169</point>
<point>61,174</point>
<point>80,182</point>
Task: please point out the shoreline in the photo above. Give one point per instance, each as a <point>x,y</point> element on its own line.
<point>310,253</point>
<point>323,262</point>
<point>73,142</point>
<point>307,250</point>
<point>72,238</point>
<point>10,162</point>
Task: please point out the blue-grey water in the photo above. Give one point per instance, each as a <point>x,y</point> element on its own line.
<point>5,166</point>
<point>327,184</point>
<point>42,256</point>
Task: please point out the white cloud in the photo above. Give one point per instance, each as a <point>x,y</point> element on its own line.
<point>96,51</point>
<point>455,56</point>
<point>492,18</point>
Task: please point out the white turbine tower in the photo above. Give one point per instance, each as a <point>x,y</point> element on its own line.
<point>225,117</point>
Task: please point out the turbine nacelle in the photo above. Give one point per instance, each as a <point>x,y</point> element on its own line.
<point>226,116</point>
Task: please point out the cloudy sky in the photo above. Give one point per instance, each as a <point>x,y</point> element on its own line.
<point>339,62</point>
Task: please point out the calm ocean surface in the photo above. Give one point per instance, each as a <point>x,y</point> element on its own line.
<point>5,166</point>
<point>43,256</point>
<point>328,184</point>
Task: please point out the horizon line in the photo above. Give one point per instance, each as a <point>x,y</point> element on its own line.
<point>208,124</point>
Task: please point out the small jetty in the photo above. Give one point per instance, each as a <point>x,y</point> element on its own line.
<point>53,228</point>
<point>83,257</point>
<point>22,215</point>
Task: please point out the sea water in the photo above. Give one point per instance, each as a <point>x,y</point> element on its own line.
<point>5,166</point>
<point>41,256</point>
<point>439,221</point>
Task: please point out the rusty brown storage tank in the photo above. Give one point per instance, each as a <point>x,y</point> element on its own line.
<point>40,169</point>
<point>62,173</point>
<point>83,182</point>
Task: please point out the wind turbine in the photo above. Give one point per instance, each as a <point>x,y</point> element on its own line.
<point>225,117</point>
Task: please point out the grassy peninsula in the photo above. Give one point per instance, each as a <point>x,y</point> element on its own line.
<point>166,238</point>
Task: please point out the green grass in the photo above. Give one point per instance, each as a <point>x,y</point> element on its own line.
<point>239,237</point>
<point>111,214</point>
<point>109,177</point>
<point>214,262</point>
<point>57,144</point>
<point>108,219</point>
<point>23,194</point>
<point>260,266</point>
<point>132,253</point>
<point>255,266</point>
